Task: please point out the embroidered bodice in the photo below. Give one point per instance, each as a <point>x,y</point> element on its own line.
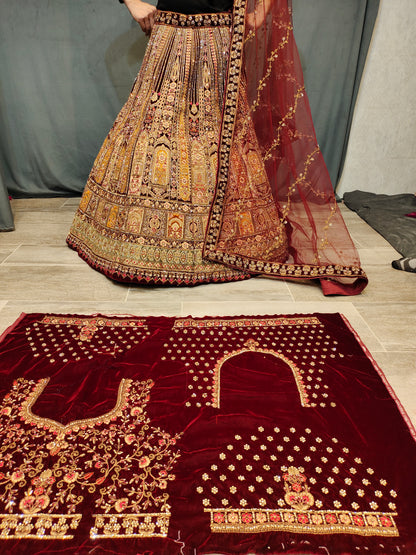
<point>115,467</point>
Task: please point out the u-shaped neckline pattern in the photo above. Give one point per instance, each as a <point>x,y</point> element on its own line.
<point>30,418</point>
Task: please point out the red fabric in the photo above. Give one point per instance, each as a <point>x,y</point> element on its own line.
<point>255,419</point>
<point>320,246</point>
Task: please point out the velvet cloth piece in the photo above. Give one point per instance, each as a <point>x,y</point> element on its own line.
<point>195,6</point>
<point>274,434</point>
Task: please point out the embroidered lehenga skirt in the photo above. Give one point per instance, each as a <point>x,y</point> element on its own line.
<point>144,213</point>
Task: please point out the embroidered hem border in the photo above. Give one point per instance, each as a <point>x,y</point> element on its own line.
<point>141,525</point>
<point>282,270</point>
<point>123,273</point>
<point>313,522</point>
<point>262,322</point>
<point>47,526</point>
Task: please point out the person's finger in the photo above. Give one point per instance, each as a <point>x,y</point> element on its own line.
<point>152,20</point>
<point>142,25</point>
<point>148,25</point>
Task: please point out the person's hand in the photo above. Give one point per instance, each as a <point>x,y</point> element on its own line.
<point>143,13</point>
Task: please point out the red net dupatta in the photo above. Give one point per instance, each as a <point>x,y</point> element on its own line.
<point>265,93</point>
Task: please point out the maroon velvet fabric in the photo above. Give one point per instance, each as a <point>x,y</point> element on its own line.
<point>269,434</point>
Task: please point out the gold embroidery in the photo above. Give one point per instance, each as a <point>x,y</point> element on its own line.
<point>119,460</point>
<point>245,322</point>
<point>38,527</point>
<point>216,380</point>
<point>158,165</point>
<point>297,491</point>
<point>61,429</point>
<point>264,511</point>
<point>249,521</point>
<point>131,526</point>
<point>69,337</point>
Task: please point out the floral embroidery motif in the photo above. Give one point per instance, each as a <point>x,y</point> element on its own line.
<point>64,338</point>
<point>118,459</point>
<point>297,491</point>
<point>247,493</point>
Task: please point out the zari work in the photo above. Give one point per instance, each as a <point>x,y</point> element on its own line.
<point>212,435</point>
<point>189,186</point>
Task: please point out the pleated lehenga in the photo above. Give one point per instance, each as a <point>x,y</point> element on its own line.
<point>144,213</point>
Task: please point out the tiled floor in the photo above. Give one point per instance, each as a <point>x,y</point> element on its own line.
<point>38,273</point>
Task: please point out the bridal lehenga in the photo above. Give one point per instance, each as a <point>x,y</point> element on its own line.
<point>211,171</point>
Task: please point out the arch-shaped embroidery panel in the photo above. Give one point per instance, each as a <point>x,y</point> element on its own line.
<point>216,381</point>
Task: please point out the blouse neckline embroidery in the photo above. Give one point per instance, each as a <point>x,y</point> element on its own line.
<point>30,418</point>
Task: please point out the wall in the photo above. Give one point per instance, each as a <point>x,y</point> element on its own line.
<point>381,155</point>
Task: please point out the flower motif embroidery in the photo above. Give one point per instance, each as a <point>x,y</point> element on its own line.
<point>121,505</point>
<point>232,518</point>
<point>71,477</point>
<point>358,520</point>
<point>32,504</point>
<point>331,518</point>
<point>219,518</point>
<point>17,476</point>
<point>247,518</point>
<point>143,462</point>
<point>386,521</point>
<point>297,491</point>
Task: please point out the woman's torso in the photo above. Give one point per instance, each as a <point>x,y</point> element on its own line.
<point>195,6</point>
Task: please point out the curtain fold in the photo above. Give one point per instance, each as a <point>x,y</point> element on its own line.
<point>6,216</point>
<point>68,66</point>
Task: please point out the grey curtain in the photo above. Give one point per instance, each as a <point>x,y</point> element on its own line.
<point>68,65</point>
<point>6,216</point>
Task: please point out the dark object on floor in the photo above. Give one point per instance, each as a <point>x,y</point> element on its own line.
<point>406,264</point>
<point>388,214</point>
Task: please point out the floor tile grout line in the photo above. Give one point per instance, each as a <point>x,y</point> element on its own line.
<point>4,262</point>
